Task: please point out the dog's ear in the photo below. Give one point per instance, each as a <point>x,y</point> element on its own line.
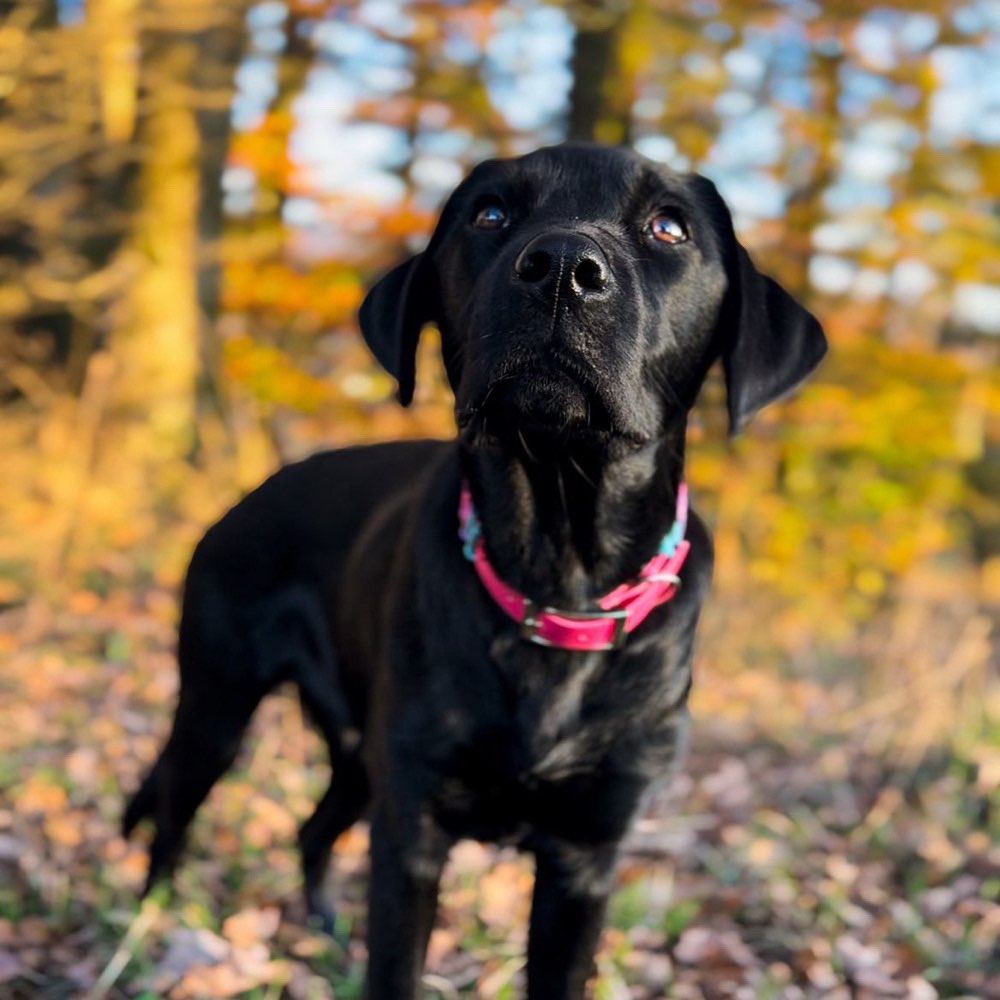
<point>771,342</point>
<point>768,342</point>
<point>392,316</point>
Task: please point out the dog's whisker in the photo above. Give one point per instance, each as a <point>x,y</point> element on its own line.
<point>663,381</point>
<point>583,475</point>
<point>486,398</point>
<point>562,491</point>
<point>524,445</point>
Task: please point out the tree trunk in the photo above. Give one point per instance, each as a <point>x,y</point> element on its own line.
<point>189,50</point>
<point>804,210</point>
<point>599,103</point>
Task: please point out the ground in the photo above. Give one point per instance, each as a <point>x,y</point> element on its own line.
<point>798,860</point>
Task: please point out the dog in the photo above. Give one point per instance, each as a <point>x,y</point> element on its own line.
<point>494,634</point>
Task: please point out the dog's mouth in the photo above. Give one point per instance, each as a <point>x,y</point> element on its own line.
<point>551,403</point>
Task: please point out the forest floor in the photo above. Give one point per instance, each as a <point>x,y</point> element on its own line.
<point>785,862</point>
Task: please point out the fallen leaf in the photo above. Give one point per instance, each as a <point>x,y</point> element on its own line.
<point>504,895</point>
<point>251,925</point>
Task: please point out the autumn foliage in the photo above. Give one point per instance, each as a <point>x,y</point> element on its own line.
<point>193,197</point>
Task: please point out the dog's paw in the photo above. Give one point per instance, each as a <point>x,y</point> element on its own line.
<point>321,917</point>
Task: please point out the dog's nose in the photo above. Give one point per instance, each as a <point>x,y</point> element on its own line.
<point>568,260</point>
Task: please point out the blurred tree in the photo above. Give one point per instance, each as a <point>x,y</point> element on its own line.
<point>856,144</point>
<point>110,211</point>
<point>55,241</point>
<point>188,54</point>
<point>599,103</point>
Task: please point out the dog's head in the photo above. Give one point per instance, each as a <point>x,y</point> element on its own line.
<point>582,293</point>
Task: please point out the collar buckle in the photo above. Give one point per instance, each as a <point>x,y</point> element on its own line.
<point>534,620</point>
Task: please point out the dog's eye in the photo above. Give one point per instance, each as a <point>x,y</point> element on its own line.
<point>667,228</point>
<point>490,216</point>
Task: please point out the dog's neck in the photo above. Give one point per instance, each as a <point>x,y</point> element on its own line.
<point>565,526</point>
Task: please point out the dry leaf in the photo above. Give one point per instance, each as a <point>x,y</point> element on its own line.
<point>251,925</point>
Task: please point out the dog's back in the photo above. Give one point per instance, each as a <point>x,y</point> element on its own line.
<point>299,525</point>
<point>256,613</point>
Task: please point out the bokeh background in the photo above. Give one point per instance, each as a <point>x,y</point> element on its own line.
<point>193,197</point>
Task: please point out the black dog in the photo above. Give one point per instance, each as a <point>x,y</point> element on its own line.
<point>582,294</point>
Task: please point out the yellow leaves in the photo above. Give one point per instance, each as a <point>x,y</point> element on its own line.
<point>11,592</point>
<point>693,140</point>
<point>990,581</point>
<point>831,505</point>
<point>116,32</point>
<point>870,582</point>
<point>270,375</point>
<point>706,469</point>
<point>988,158</point>
<point>848,501</point>
<point>13,42</point>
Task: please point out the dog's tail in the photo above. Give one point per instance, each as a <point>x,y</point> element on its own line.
<point>142,804</point>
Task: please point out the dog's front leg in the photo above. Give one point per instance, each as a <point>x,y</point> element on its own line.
<point>407,856</point>
<point>572,884</point>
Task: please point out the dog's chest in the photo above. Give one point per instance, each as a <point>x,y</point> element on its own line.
<point>543,759</point>
<point>502,787</point>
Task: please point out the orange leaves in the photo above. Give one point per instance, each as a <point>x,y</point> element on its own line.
<point>505,895</point>
<point>265,149</point>
<point>66,829</point>
<point>330,295</point>
<point>41,795</point>
<point>405,221</point>
<point>269,823</point>
<point>251,926</point>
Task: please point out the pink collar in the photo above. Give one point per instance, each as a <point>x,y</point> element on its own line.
<point>617,613</point>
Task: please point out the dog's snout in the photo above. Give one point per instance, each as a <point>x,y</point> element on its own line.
<point>569,261</point>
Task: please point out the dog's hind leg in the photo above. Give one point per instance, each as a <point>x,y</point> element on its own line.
<point>342,805</point>
<point>142,804</point>
<point>316,672</point>
<point>203,743</point>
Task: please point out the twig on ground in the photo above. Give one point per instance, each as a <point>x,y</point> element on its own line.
<point>137,930</point>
